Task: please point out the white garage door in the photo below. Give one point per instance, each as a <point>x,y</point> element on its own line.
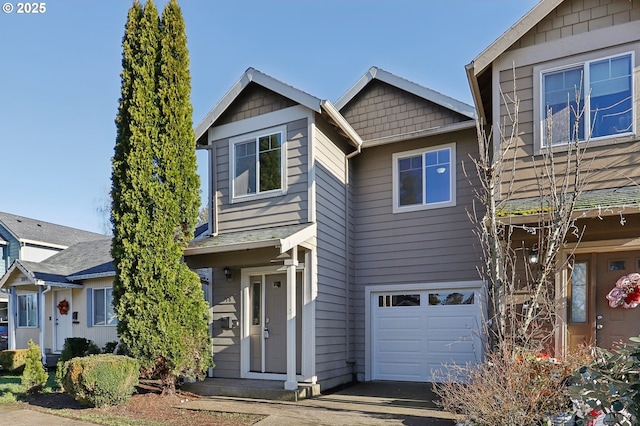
<point>415,334</point>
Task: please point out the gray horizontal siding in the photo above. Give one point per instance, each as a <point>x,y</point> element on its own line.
<point>287,209</point>
<point>226,343</point>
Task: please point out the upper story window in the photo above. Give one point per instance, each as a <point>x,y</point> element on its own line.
<point>589,100</point>
<point>257,163</point>
<point>28,310</point>
<point>424,179</point>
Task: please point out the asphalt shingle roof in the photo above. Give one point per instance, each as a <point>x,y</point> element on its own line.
<point>45,232</point>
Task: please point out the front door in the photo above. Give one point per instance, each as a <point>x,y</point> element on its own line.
<point>268,328</point>
<point>62,320</point>
<point>614,324</point>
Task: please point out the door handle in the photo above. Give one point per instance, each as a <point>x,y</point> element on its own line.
<point>599,326</point>
<point>266,333</point>
<point>599,317</point>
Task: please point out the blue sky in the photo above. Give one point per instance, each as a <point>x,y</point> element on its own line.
<point>60,74</point>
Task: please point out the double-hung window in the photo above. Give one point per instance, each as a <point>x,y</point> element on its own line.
<point>589,100</point>
<point>424,179</point>
<point>103,312</point>
<point>28,310</point>
<point>257,163</point>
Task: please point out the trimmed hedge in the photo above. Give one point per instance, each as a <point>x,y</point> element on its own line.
<point>101,380</point>
<point>13,360</point>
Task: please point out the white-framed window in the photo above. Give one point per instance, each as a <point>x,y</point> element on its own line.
<point>424,178</point>
<point>102,312</point>
<point>589,100</point>
<point>28,310</point>
<point>257,164</point>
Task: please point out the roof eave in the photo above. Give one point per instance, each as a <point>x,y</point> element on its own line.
<point>342,123</point>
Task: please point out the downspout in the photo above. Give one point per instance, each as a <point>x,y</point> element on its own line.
<point>213,190</point>
<point>347,266</point>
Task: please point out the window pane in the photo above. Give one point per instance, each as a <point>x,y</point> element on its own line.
<point>32,307</point>
<point>560,102</point>
<point>452,298</point>
<point>256,297</point>
<point>22,311</point>
<point>98,307</point>
<point>111,315</point>
<point>244,181</point>
<point>399,300</point>
<point>410,180</point>
<point>579,293</point>
<point>610,103</point>
<point>270,164</point>
<point>438,176</point>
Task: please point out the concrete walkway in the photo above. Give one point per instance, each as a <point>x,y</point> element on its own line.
<point>11,416</point>
<point>371,403</point>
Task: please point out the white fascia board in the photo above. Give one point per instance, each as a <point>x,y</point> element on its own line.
<point>299,237</point>
<point>42,244</point>
<point>80,277</point>
<point>420,133</point>
<point>344,125</point>
<point>356,88</point>
<point>58,284</point>
<point>8,273</point>
<point>517,30</point>
<point>264,80</point>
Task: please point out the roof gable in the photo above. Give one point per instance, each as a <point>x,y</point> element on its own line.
<point>430,95</point>
<point>44,233</point>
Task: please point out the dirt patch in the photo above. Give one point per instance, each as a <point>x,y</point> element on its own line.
<point>147,406</point>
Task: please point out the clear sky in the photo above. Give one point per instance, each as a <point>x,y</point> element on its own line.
<point>60,75</point>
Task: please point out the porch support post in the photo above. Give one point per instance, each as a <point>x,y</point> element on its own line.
<point>13,308</point>
<point>41,324</point>
<point>291,264</point>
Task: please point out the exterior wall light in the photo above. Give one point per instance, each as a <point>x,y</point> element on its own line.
<point>227,272</point>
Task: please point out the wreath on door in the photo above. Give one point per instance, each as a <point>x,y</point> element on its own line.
<point>63,307</point>
<point>626,292</point>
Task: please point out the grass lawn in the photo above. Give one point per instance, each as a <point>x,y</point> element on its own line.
<point>11,389</point>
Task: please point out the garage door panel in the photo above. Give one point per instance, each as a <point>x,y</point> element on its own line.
<point>409,343</point>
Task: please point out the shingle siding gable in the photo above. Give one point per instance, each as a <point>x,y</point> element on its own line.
<point>382,110</point>
<point>255,100</point>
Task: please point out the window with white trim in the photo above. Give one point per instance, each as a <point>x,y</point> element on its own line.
<point>102,307</point>
<point>258,163</point>
<point>28,310</point>
<point>589,100</point>
<point>424,178</point>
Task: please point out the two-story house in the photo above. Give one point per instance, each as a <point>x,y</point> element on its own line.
<point>561,49</point>
<point>339,238</point>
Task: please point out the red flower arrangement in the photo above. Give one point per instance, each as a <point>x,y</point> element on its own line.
<point>626,293</point>
<point>63,307</point>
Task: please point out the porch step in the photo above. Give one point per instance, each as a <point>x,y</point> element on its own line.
<point>253,389</point>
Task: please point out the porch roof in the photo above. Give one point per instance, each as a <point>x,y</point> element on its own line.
<point>599,201</point>
<point>284,237</point>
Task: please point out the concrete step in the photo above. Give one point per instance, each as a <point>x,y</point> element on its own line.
<point>52,360</point>
<point>253,389</point>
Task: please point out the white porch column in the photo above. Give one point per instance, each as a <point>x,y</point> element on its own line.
<point>41,323</point>
<point>13,305</point>
<point>291,264</point>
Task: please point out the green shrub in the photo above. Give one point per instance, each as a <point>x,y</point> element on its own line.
<point>34,375</point>
<point>13,360</point>
<point>110,347</point>
<point>101,380</point>
<point>78,346</point>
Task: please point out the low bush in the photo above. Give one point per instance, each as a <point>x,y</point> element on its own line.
<point>74,347</point>
<point>511,388</point>
<point>13,360</point>
<point>34,375</point>
<point>101,380</point>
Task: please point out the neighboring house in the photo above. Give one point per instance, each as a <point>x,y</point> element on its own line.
<point>66,295</point>
<point>339,237</point>
<point>557,48</point>
<point>31,240</point>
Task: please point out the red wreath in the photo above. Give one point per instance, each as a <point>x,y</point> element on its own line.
<point>63,307</point>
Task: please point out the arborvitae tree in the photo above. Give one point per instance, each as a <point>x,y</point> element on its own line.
<point>163,317</point>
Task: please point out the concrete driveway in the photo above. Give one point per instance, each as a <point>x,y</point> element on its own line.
<point>369,403</point>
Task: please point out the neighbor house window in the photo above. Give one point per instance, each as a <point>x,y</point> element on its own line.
<point>28,310</point>
<point>424,178</point>
<point>257,163</point>
<point>589,100</point>
<point>103,313</point>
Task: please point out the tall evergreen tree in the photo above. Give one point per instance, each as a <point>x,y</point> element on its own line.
<point>163,317</point>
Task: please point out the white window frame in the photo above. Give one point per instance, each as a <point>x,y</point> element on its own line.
<point>106,307</point>
<point>583,61</point>
<point>424,206</point>
<point>283,164</point>
<point>28,295</point>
